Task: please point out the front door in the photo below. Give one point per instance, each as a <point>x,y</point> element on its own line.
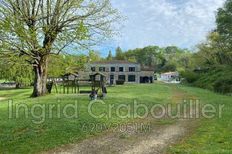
<point>111,79</point>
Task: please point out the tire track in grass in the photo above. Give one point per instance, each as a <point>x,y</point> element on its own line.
<point>163,134</point>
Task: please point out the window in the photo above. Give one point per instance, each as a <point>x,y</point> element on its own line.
<point>102,69</point>
<point>131,78</point>
<point>112,69</point>
<point>93,69</point>
<point>131,69</point>
<point>121,69</point>
<point>122,77</point>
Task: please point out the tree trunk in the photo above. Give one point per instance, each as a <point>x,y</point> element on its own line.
<point>40,81</point>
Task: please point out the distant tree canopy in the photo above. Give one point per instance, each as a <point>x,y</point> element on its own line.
<point>16,70</point>
<point>211,64</point>
<point>20,72</point>
<point>223,39</point>
<point>94,56</point>
<point>110,56</point>
<point>170,58</point>
<point>217,49</point>
<point>62,64</point>
<point>119,54</point>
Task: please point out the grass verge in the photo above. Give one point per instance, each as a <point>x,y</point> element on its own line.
<point>212,135</point>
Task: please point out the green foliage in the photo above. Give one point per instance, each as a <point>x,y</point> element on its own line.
<point>94,56</point>
<point>166,59</point>
<point>216,55</point>
<point>224,21</point>
<point>35,30</point>
<point>119,54</point>
<point>62,64</point>
<point>110,56</point>
<point>120,82</point>
<point>162,59</point>
<point>224,28</point>
<point>223,85</point>
<point>190,76</point>
<point>16,70</point>
<point>217,78</point>
<point>168,68</point>
<point>148,56</point>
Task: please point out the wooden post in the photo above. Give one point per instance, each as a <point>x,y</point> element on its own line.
<point>78,86</point>
<point>75,86</point>
<point>60,89</point>
<point>63,87</point>
<point>72,86</point>
<point>56,86</point>
<point>67,87</point>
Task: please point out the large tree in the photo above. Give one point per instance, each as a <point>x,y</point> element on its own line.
<point>110,56</point>
<point>119,54</point>
<point>35,29</point>
<point>224,29</point>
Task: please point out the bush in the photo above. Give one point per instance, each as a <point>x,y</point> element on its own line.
<point>120,82</point>
<point>223,85</point>
<point>216,78</point>
<point>190,76</point>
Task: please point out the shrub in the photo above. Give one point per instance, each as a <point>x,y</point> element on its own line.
<point>223,85</point>
<point>120,82</point>
<point>190,76</point>
<point>216,78</point>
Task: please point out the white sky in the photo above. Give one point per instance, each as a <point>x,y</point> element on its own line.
<point>183,23</point>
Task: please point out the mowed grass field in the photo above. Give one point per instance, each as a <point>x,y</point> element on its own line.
<point>213,136</point>
<point>22,135</point>
<point>26,135</point>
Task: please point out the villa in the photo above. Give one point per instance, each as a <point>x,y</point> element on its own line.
<point>116,70</point>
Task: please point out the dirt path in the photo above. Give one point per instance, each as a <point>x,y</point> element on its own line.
<point>156,140</point>
<point>2,98</point>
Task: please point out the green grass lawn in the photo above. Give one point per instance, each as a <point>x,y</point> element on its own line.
<point>24,136</point>
<point>213,135</point>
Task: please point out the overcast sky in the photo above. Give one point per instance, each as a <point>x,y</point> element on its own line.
<point>183,23</point>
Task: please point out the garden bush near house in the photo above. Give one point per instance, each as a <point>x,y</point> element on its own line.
<point>190,76</point>
<point>120,82</point>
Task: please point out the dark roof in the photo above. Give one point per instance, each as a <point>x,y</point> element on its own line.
<point>114,62</point>
<point>98,73</point>
<point>68,74</point>
<point>145,68</point>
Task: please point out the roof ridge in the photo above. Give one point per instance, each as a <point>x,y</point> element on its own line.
<point>114,62</point>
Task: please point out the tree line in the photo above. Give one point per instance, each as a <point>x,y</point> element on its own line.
<point>20,72</point>
<point>35,34</point>
<point>213,61</point>
<point>166,59</point>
